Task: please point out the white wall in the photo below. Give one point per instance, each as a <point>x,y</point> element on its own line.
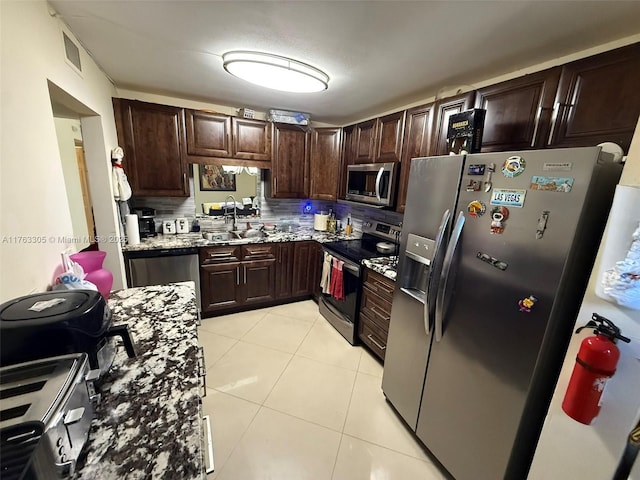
<point>33,199</point>
<point>568,449</point>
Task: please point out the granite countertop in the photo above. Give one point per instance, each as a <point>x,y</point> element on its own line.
<point>186,240</point>
<point>383,265</point>
<point>148,422</point>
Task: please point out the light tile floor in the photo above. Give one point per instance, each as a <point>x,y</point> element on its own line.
<point>290,399</point>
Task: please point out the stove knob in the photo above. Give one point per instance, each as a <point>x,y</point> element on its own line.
<point>61,452</point>
<point>59,442</point>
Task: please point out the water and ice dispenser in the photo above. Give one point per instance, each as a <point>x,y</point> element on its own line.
<point>417,266</point>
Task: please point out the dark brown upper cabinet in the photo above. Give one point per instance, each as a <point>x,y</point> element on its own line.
<point>152,137</point>
<point>598,100</point>
<point>364,141</point>
<point>208,133</point>
<point>518,111</point>
<point>443,110</point>
<point>251,139</point>
<point>325,163</point>
<point>388,138</point>
<point>416,143</point>
<point>290,162</point>
<point>236,141</point>
<point>348,157</point>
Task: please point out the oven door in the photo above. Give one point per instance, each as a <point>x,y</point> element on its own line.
<point>343,314</point>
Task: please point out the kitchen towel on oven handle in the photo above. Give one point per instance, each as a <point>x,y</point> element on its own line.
<point>325,282</point>
<point>337,280</point>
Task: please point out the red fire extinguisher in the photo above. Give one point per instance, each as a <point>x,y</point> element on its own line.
<point>595,364</point>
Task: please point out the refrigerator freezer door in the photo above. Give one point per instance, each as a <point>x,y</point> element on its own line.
<point>501,292</point>
<point>432,192</point>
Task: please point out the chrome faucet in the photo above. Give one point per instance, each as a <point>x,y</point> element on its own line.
<point>226,217</point>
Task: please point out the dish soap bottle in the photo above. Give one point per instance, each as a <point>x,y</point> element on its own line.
<point>349,228</point>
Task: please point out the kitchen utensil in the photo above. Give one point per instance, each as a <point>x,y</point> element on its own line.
<point>385,247</point>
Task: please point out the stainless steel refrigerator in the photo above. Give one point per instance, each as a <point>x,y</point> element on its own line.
<point>495,256</point>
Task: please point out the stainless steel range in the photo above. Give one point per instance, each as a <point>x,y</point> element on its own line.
<point>342,309</point>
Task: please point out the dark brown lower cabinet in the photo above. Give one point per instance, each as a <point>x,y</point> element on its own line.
<point>284,268</point>
<point>219,285</point>
<point>258,281</point>
<point>375,312</point>
<point>303,268</point>
<point>234,278</point>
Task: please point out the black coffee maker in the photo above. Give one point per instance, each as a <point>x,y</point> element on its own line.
<point>146,222</point>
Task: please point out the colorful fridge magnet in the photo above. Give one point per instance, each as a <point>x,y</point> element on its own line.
<point>526,304</point>
<point>498,217</point>
<point>513,166</point>
<point>473,186</point>
<point>551,184</point>
<point>508,198</point>
<point>476,209</point>
<point>476,169</point>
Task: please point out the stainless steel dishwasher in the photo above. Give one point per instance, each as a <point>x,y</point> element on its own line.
<point>159,267</point>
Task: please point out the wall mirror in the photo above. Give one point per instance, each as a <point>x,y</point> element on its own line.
<point>213,185</point>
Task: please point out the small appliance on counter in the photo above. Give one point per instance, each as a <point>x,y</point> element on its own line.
<point>46,416</point>
<point>183,225</point>
<point>169,227</point>
<point>146,222</point>
<point>60,322</point>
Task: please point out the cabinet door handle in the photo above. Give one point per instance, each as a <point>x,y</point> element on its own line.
<point>557,108</point>
<point>237,275</point>
<point>245,275</point>
<point>381,347</point>
<point>535,128</point>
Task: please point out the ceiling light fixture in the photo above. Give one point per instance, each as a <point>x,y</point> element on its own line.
<point>273,71</point>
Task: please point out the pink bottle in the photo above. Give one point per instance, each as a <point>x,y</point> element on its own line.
<point>91,262</point>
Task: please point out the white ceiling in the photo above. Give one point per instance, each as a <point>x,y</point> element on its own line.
<point>378,54</point>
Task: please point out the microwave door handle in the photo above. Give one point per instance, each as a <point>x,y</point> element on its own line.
<point>378,179</point>
<point>444,278</point>
<point>432,286</point>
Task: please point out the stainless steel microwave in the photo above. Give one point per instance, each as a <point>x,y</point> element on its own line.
<point>372,183</point>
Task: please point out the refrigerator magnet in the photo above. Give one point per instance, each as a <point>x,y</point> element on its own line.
<point>473,186</point>
<point>551,184</point>
<point>526,304</point>
<point>476,209</point>
<point>476,169</point>
<point>498,217</point>
<point>513,166</point>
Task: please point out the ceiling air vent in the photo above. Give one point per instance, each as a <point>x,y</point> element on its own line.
<point>72,52</point>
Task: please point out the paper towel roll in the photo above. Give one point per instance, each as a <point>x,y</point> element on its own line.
<point>133,232</point>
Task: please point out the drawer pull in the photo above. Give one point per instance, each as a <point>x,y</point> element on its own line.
<point>384,317</point>
<point>381,347</point>
<point>382,287</point>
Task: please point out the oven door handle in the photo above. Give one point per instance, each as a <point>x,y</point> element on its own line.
<point>352,267</point>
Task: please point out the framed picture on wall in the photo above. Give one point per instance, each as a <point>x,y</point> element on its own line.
<point>212,178</point>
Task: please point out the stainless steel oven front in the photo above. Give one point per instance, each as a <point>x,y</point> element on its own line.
<point>343,313</point>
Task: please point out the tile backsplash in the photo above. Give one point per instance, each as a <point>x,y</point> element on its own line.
<point>278,211</point>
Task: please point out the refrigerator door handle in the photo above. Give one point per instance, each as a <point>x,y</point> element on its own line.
<point>431,285</point>
<point>378,178</point>
<point>444,279</point>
